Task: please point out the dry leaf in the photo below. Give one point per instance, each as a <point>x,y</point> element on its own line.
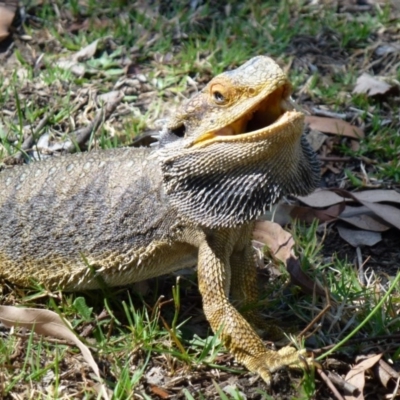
<point>160,392</point>
<point>385,373</point>
<point>387,48</point>
<point>73,62</point>
<point>356,376</point>
<point>379,195</point>
<point>316,139</point>
<point>7,13</point>
<point>321,198</point>
<point>357,237</point>
<point>363,218</point>
<point>301,279</point>
<point>76,68</point>
<point>334,126</point>
<point>280,244</point>
<point>86,53</point>
<point>308,214</point>
<point>386,212</point>
<point>371,86</point>
<point>48,323</point>
<point>109,97</point>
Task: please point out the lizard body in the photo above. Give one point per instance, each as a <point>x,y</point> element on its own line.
<point>129,214</point>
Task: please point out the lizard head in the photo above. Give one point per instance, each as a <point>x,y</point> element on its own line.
<point>236,147</point>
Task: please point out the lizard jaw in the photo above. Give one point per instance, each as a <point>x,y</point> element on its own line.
<point>269,117</point>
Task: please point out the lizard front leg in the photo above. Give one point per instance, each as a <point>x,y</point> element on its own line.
<point>244,291</point>
<point>214,273</point>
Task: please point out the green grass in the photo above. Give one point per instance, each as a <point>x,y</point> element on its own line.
<point>167,45</point>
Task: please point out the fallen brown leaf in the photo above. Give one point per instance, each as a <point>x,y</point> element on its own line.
<point>308,214</point>
<point>388,213</point>
<point>379,195</point>
<point>300,278</point>
<point>356,376</point>
<point>7,14</point>
<point>326,198</point>
<point>316,139</point>
<point>363,218</point>
<point>385,372</point>
<point>280,244</point>
<point>48,323</point>
<point>160,392</point>
<point>86,53</point>
<point>321,198</point>
<point>371,199</point>
<point>371,86</point>
<point>358,237</point>
<point>334,126</point>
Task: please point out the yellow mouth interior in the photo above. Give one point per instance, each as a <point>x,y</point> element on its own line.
<point>275,109</point>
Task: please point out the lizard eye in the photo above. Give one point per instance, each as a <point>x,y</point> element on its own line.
<point>218,97</point>
<point>218,94</point>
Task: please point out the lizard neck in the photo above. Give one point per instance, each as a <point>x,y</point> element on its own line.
<point>229,184</point>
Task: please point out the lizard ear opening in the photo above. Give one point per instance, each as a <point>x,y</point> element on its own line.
<point>179,131</point>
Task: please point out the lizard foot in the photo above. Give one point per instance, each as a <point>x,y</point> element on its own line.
<point>287,356</point>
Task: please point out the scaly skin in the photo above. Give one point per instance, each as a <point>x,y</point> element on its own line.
<point>125,215</point>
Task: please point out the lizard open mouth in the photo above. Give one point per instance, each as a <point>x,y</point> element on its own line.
<point>265,118</point>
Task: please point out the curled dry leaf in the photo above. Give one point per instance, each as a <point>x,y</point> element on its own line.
<point>334,126</point>
<point>86,53</point>
<point>48,323</point>
<point>356,376</point>
<point>385,373</point>
<point>371,86</point>
<point>73,62</point>
<point>301,279</point>
<point>280,244</point>
<point>160,392</point>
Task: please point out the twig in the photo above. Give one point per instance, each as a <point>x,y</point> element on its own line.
<point>360,263</point>
<point>83,134</point>
<point>329,383</point>
<point>335,159</point>
<point>30,139</point>
<point>342,384</point>
<point>329,114</point>
<point>319,316</point>
<point>396,389</point>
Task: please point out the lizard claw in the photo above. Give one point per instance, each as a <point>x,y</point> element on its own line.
<point>287,356</point>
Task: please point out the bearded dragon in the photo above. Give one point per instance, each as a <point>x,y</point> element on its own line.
<point>128,214</point>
